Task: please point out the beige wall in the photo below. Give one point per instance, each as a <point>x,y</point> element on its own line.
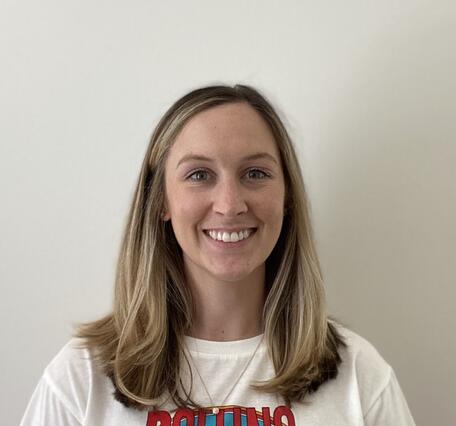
<point>369,92</point>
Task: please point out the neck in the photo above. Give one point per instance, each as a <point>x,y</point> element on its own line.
<point>227,311</point>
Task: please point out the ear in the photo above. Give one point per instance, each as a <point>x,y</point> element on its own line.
<point>165,213</point>
<point>165,216</point>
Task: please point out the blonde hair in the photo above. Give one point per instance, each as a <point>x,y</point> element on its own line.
<point>139,344</point>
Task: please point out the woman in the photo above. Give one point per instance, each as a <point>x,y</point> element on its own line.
<point>219,313</point>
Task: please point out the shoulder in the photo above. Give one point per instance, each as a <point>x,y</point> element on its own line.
<point>360,351</point>
<point>70,375</point>
<point>370,382</point>
<point>62,394</point>
<point>363,366</point>
<point>71,362</point>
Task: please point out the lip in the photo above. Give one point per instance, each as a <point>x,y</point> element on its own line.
<point>237,229</point>
<point>224,245</point>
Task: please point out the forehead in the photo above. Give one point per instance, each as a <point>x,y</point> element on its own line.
<point>227,130</point>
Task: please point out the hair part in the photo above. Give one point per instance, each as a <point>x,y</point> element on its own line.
<point>139,345</point>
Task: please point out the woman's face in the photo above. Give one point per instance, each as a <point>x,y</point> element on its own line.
<point>224,181</point>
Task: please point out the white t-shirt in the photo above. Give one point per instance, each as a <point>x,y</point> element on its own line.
<point>73,392</point>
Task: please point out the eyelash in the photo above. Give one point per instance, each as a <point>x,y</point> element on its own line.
<point>189,177</point>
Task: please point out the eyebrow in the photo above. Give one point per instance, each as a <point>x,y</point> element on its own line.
<point>256,156</point>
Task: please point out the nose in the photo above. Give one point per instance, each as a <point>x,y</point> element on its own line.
<point>229,198</point>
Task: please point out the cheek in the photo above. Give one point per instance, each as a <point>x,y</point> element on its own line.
<point>276,219</point>
<point>186,210</point>
<point>272,207</point>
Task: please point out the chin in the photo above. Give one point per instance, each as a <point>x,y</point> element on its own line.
<point>231,274</point>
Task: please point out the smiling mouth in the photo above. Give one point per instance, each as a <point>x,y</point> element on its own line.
<point>230,237</point>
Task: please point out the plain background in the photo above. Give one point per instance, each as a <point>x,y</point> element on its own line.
<point>367,90</point>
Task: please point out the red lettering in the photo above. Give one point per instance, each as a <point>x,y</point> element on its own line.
<point>236,416</point>
<point>183,413</point>
<point>220,417</point>
<point>163,418</point>
<point>202,417</point>
<point>158,418</point>
<point>252,418</point>
<point>266,416</point>
<point>283,411</point>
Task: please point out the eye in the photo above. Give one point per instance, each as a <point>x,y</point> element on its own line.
<point>257,174</point>
<point>198,175</point>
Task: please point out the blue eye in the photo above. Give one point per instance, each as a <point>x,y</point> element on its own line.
<point>259,173</point>
<point>202,175</point>
<point>197,173</point>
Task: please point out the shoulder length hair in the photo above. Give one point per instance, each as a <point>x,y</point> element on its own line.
<point>139,345</point>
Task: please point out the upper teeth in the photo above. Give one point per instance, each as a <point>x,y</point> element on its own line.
<point>230,237</point>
